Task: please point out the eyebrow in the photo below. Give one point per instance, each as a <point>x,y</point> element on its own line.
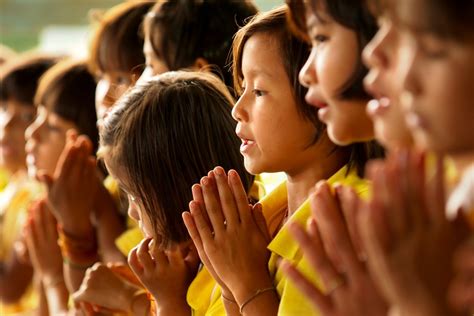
<point>316,20</point>
<point>256,71</point>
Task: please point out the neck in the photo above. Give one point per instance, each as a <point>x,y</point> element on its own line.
<point>301,182</point>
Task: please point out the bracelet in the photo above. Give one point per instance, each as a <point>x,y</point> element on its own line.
<point>259,291</point>
<point>78,250</point>
<point>228,299</point>
<point>52,282</point>
<point>76,265</point>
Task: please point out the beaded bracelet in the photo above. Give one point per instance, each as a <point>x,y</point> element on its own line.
<point>259,291</point>
<point>228,299</point>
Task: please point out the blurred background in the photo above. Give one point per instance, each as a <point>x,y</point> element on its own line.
<point>60,26</point>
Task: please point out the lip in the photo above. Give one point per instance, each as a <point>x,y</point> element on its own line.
<point>312,99</point>
<point>247,143</point>
<point>378,106</point>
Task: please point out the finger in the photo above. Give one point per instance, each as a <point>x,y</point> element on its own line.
<point>227,199</point>
<point>436,192</point>
<point>240,196</point>
<point>175,256</point>
<point>134,263</point>
<point>144,256</point>
<point>313,249</point>
<point>157,252</point>
<point>401,216</point>
<point>203,230</point>
<point>333,230</point>
<point>189,221</point>
<point>39,224</point>
<point>315,296</point>
<point>416,214</point>
<point>212,206</point>
<point>350,209</point>
<point>198,197</point>
<point>71,136</point>
<point>260,221</point>
<point>66,162</point>
<point>50,222</point>
<point>378,212</point>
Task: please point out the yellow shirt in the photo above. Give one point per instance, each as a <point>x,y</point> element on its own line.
<point>204,294</point>
<point>292,301</point>
<point>14,202</point>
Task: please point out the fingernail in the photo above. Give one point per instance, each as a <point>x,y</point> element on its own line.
<point>219,171</point>
<point>205,181</point>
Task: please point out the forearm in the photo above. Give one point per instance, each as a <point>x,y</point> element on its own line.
<point>108,219</point>
<point>57,296</point>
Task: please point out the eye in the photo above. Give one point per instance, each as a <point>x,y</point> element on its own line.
<point>123,80</point>
<point>319,39</point>
<point>258,93</point>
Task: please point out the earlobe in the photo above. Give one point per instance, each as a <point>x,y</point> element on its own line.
<point>200,63</point>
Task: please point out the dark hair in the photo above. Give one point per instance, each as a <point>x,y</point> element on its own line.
<point>353,14</point>
<point>117,43</point>
<point>182,31</point>
<point>19,77</point>
<point>68,90</point>
<point>166,134</point>
<point>453,19</point>
<point>293,52</point>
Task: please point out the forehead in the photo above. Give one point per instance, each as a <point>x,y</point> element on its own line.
<point>262,56</point>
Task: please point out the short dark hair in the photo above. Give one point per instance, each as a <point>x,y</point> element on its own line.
<point>353,14</point>
<point>166,134</point>
<point>19,77</point>
<point>182,31</point>
<point>293,52</point>
<point>68,90</point>
<point>117,43</point>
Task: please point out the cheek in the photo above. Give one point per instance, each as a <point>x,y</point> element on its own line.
<point>335,66</point>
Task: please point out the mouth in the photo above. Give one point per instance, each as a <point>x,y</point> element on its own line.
<point>378,106</point>
<point>247,143</point>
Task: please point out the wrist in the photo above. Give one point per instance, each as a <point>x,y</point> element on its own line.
<point>245,291</point>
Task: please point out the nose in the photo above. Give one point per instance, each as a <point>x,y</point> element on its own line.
<point>104,95</point>
<point>375,53</point>
<point>307,75</point>
<point>409,73</point>
<point>239,111</point>
<point>33,131</point>
<point>133,211</point>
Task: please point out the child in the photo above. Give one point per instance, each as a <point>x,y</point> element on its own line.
<point>193,34</point>
<point>279,132</point>
<point>159,140</point>
<point>18,83</point>
<point>65,100</point>
<point>439,49</point>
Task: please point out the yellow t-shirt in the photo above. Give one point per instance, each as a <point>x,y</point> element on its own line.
<point>204,294</point>
<point>14,202</point>
<point>292,301</point>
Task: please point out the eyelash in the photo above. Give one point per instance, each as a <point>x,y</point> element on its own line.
<point>258,93</point>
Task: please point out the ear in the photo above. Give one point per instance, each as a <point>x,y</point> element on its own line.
<point>200,63</point>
